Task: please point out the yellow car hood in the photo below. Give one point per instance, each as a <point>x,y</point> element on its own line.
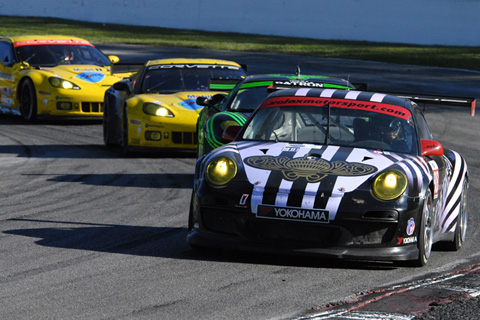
<point>84,74</point>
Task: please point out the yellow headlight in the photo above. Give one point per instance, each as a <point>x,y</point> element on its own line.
<point>67,85</point>
<point>221,171</point>
<point>389,184</point>
<point>157,110</point>
<point>63,84</point>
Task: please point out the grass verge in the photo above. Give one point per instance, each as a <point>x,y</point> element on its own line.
<point>439,56</point>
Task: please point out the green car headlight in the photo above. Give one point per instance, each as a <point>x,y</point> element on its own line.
<point>62,83</point>
<point>154,109</point>
<point>389,184</point>
<point>221,171</point>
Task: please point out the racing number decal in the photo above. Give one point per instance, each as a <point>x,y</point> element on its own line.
<point>244,198</point>
<point>436,177</point>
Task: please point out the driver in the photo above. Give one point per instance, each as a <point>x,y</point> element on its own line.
<point>391,133</point>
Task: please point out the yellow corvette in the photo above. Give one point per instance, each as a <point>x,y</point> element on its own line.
<point>53,76</point>
<point>157,108</point>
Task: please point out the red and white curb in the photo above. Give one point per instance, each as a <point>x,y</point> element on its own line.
<point>403,301</point>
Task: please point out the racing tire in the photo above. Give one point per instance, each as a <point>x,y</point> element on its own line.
<point>461,221</point>
<point>106,127</point>
<point>126,150</point>
<point>194,247</point>
<point>425,234</point>
<point>28,101</point>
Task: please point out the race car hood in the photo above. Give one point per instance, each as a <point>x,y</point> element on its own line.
<point>83,75</point>
<point>179,102</point>
<point>285,167</point>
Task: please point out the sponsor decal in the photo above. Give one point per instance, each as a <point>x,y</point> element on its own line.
<point>7,76</point>
<point>92,77</point>
<point>291,149</point>
<point>310,170</point>
<point>190,104</point>
<point>410,226</point>
<point>193,66</point>
<point>302,83</point>
<point>5,91</point>
<point>51,42</point>
<point>408,240</point>
<point>436,177</point>
<point>243,199</point>
<point>88,69</point>
<point>295,214</point>
<point>378,107</point>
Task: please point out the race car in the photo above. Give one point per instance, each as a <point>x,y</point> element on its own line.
<point>156,109</point>
<point>223,110</point>
<point>335,173</point>
<point>53,76</point>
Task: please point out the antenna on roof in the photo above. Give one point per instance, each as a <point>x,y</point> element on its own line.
<point>298,70</point>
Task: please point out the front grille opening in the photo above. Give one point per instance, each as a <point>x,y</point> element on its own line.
<point>92,107</point>
<point>184,137</point>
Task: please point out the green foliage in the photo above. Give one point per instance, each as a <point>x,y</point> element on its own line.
<point>440,56</point>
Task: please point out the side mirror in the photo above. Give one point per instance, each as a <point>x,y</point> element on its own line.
<point>431,148</point>
<point>20,66</point>
<point>231,132</point>
<point>122,86</point>
<point>213,102</point>
<point>202,101</point>
<point>113,59</point>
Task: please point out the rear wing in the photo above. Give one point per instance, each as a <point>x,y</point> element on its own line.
<point>430,99</point>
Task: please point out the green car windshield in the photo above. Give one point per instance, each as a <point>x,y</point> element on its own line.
<point>248,99</point>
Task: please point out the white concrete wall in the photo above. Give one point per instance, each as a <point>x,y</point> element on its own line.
<point>443,22</point>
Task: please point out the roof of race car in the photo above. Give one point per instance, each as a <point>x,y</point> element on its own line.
<point>284,81</point>
<point>300,96</point>
<point>191,61</point>
<point>40,38</point>
<point>296,78</point>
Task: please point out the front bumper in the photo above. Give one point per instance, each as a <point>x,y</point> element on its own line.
<point>205,239</point>
<point>355,234</point>
<point>72,104</point>
<point>149,134</point>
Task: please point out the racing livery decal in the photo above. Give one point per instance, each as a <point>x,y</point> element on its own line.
<point>312,170</point>
<point>299,214</point>
<point>92,77</point>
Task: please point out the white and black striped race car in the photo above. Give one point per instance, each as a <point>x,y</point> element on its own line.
<point>349,174</point>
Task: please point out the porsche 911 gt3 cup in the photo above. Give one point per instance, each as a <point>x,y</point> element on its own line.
<point>338,173</point>
<point>53,76</point>
<point>157,109</point>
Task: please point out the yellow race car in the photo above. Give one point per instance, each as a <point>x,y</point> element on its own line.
<point>53,76</point>
<point>156,109</point>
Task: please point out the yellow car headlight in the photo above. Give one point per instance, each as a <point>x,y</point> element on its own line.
<point>154,109</point>
<point>62,83</point>
<point>221,171</point>
<point>389,184</point>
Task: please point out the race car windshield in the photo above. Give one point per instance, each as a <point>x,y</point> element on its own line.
<point>52,55</point>
<point>248,99</point>
<point>173,78</point>
<point>331,125</point>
